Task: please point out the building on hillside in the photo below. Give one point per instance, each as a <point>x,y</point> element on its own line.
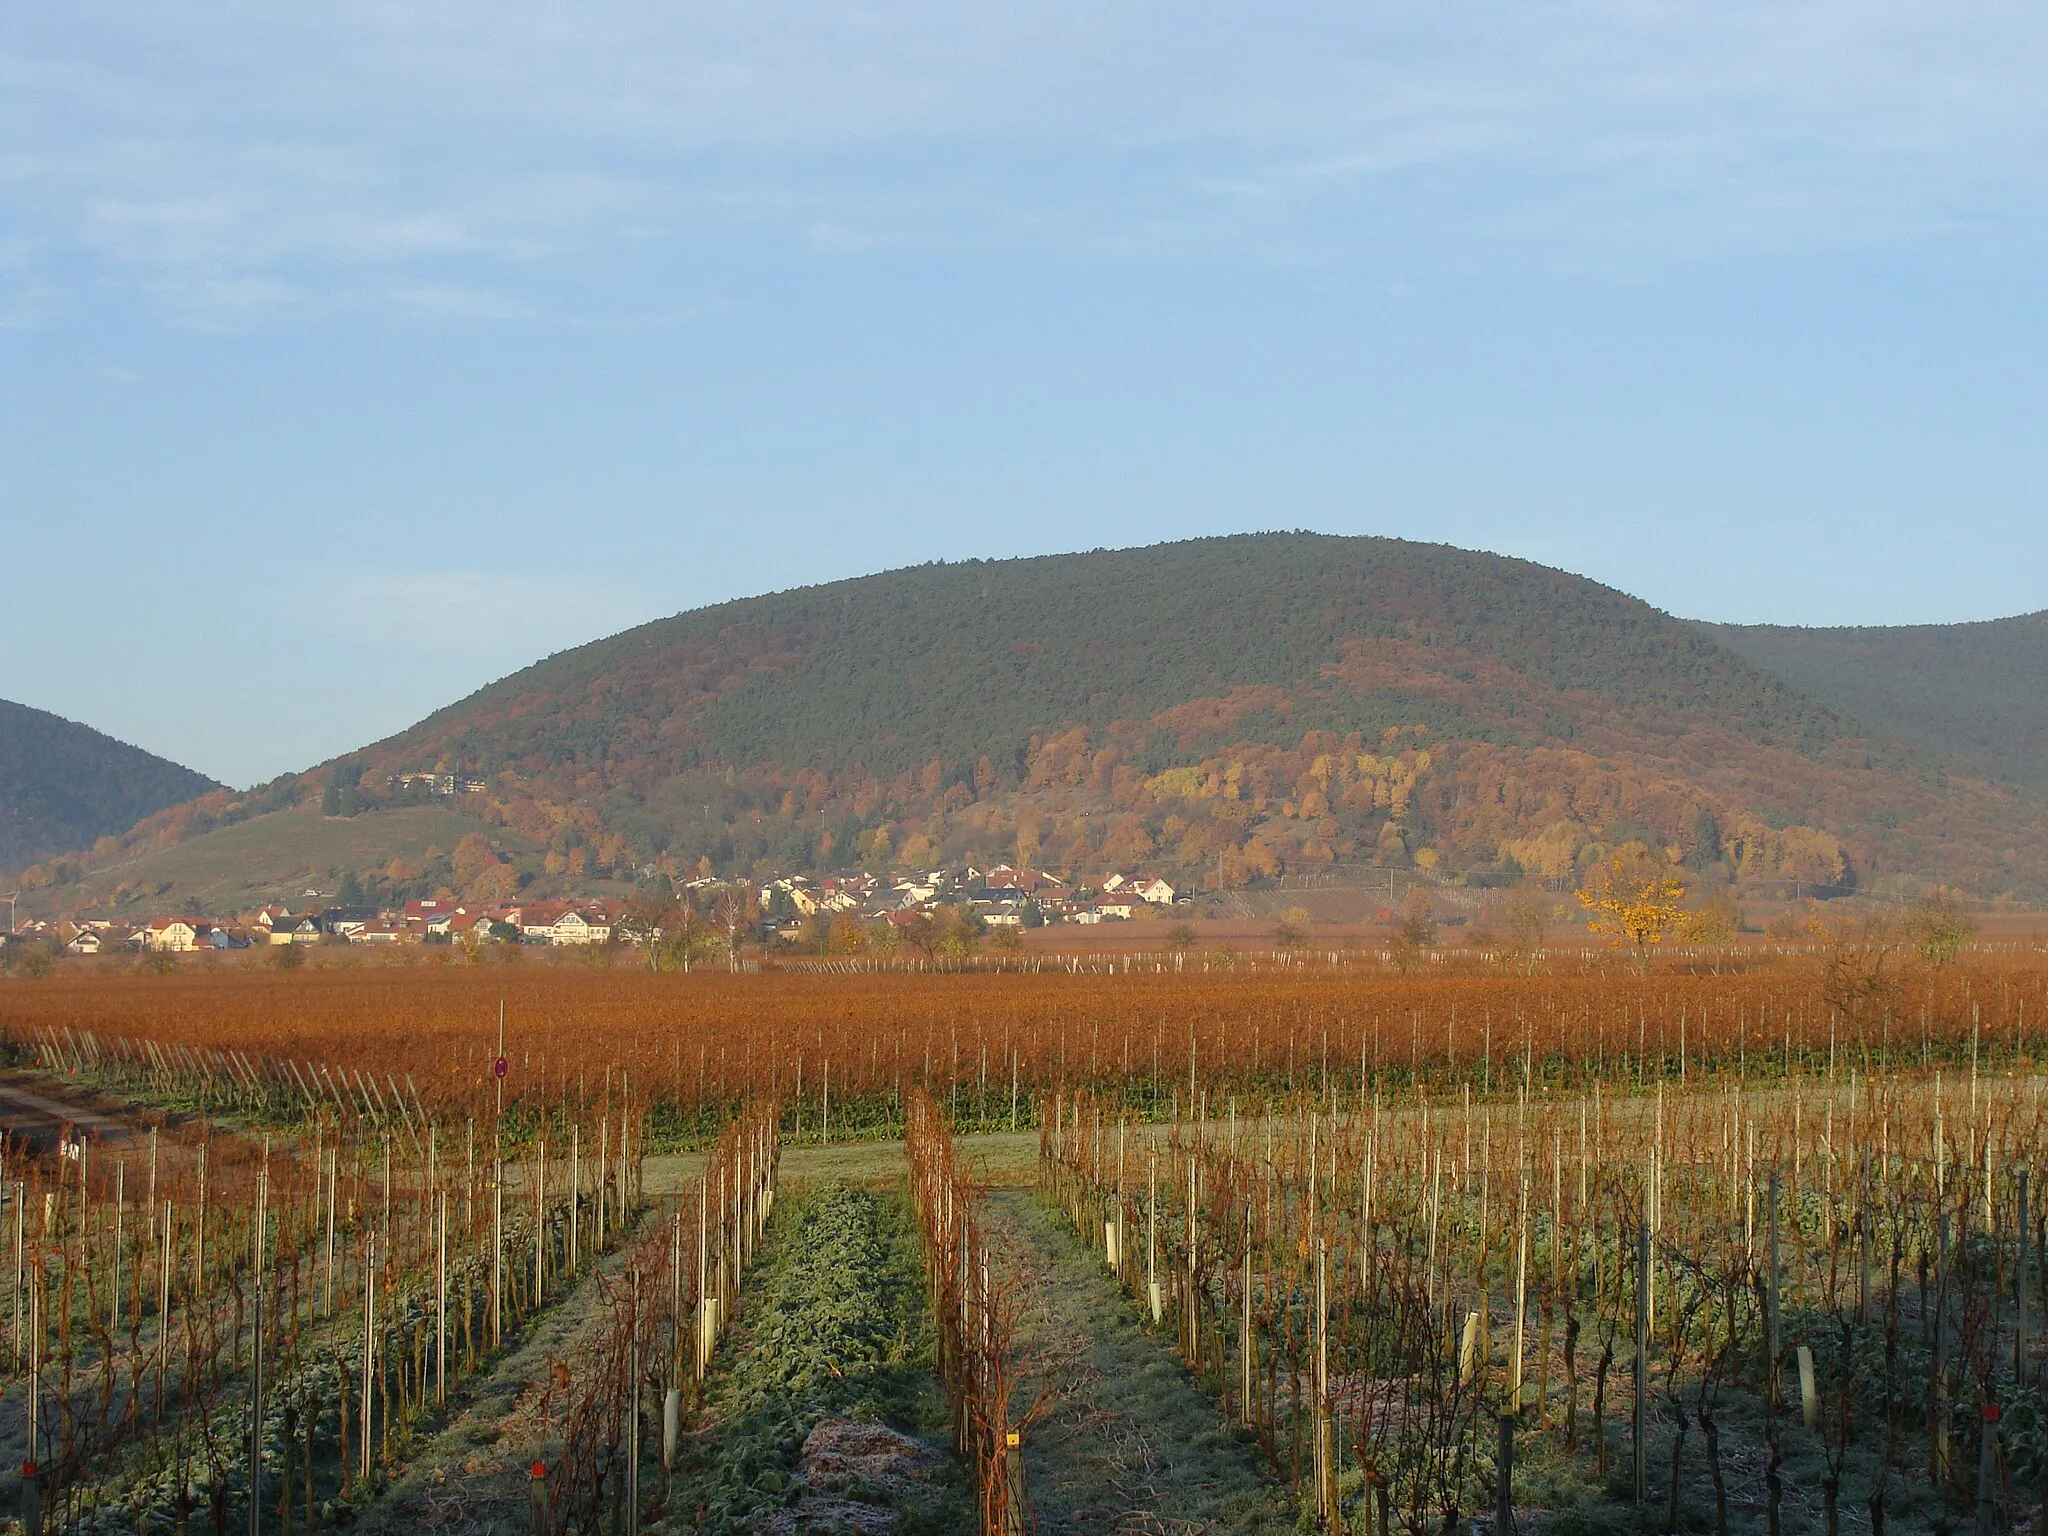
<point>344,921</point>
<point>435,918</point>
<point>182,935</point>
<point>582,927</point>
<point>174,935</point>
<point>1146,888</point>
<point>437,783</point>
<point>1040,886</point>
<point>791,890</point>
<point>845,893</point>
<point>566,922</point>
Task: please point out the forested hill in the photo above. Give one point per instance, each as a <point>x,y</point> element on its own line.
<point>63,786</point>
<point>1219,711</point>
<point>1976,693</point>
<point>957,662</point>
<point>1228,707</point>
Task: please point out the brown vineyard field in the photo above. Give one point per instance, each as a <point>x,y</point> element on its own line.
<point>714,1037</point>
<point>1752,1232</point>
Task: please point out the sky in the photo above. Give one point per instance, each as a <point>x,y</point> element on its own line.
<point>355,354</point>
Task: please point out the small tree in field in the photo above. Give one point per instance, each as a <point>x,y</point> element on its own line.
<point>1417,933</point>
<point>1940,930</point>
<point>1715,922</point>
<point>1525,918</point>
<point>1861,968</point>
<point>961,933</point>
<point>923,933</point>
<point>1635,904</point>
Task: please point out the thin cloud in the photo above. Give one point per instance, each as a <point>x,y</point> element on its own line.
<point>294,142</point>
<point>459,301</point>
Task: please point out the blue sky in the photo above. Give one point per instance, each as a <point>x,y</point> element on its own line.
<point>352,355</point>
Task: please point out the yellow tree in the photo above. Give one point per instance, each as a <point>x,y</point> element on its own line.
<point>1635,903</point>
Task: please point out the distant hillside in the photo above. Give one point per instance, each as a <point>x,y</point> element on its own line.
<point>955,662</point>
<point>1977,693</point>
<point>282,856</point>
<point>63,786</point>
<point>1225,707</point>
<point>1222,710</point>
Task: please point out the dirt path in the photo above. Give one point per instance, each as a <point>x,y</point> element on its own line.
<point>1000,1157</point>
<point>37,1115</point>
<point>1137,1446</point>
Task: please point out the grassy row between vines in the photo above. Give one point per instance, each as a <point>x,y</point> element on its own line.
<point>836,1333</point>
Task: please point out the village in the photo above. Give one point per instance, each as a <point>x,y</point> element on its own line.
<point>779,911</point>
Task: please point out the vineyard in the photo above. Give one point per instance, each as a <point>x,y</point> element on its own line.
<point>1715,1248</point>
<point>836,1052</point>
<point>1387,1300</point>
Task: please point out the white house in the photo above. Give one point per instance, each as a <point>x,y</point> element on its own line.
<point>174,935</point>
<point>561,922</point>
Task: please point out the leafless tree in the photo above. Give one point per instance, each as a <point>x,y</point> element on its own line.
<point>733,914</point>
<point>1525,916</point>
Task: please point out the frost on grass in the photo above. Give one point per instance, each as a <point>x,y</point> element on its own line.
<point>825,1412</point>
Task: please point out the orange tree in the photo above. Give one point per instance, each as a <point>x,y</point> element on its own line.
<point>1635,903</point>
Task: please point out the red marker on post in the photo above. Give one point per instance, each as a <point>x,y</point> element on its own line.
<point>537,1476</point>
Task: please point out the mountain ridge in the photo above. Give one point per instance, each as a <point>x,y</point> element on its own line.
<point>769,631</point>
<point>1226,708</point>
<point>1976,691</point>
<point>65,785</point>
